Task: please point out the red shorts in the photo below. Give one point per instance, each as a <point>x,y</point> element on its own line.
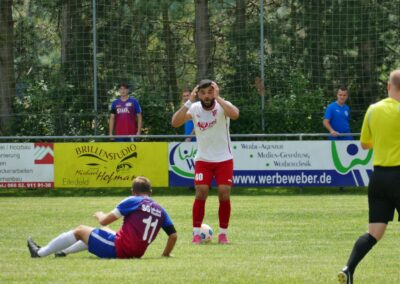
<point>205,171</point>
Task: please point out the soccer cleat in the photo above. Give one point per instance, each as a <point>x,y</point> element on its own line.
<point>223,239</point>
<point>33,248</point>
<point>60,254</point>
<point>345,276</point>
<point>196,240</point>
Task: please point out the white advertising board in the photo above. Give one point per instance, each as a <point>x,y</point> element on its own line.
<point>283,163</point>
<point>27,165</point>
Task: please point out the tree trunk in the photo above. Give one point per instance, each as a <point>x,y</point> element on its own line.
<point>314,11</point>
<point>240,30</point>
<point>170,51</point>
<point>203,40</point>
<point>7,78</point>
<point>68,40</point>
<point>241,74</point>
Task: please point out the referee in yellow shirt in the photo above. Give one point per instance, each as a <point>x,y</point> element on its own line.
<point>380,131</point>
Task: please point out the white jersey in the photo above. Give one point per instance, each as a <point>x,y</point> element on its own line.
<point>212,133</point>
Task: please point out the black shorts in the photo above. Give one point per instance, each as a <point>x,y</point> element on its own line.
<point>384,194</point>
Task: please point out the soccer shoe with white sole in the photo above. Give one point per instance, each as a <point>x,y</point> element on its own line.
<point>345,276</point>
<point>33,248</point>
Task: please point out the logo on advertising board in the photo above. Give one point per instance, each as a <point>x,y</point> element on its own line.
<point>43,154</point>
<point>110,164</point>
<point>96,157</point>
<point>348,157</point>
<point>181,159</point>
<point>106,165</point>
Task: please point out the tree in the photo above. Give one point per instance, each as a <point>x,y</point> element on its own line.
<point>170,51</point>
<point>203,40</point>
<point>7,79</point>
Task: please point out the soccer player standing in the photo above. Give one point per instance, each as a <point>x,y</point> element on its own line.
<point>211,116</point>
<point>143,218</point>
<point>380,132</point>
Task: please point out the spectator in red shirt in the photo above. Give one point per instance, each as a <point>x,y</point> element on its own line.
<point>126,115</point>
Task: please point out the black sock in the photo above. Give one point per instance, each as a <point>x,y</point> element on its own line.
<point>362,246</point>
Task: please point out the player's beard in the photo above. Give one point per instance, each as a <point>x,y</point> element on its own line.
<point>207,105</point>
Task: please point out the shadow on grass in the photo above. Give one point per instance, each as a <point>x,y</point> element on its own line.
<point>250,191</point>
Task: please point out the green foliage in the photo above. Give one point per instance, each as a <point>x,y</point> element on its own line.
<point>295,107</point>
<point>310,48</point>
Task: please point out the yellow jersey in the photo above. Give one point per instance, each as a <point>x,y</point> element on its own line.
<point>381,129</point>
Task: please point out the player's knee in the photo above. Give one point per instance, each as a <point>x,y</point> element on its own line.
<point>201,195</point>
<point>202,192</point>
<point>224,192</point>
<point>78,231</point>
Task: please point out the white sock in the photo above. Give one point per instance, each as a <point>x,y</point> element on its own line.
<point>223,231</point>
<point>59,243</point>
<point>76,247</point>
<point>196,231</point>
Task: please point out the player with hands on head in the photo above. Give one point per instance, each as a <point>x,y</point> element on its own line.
<point>143,218</point>
<point>211,117</point>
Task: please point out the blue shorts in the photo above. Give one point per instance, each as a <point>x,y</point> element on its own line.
<point>340,138</point>
<point>102,244</point>
<point>127,139</point>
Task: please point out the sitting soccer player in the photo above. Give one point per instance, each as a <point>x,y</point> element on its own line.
<point>143,219</point>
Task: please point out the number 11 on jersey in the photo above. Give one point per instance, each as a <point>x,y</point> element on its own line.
<point>149,224</point>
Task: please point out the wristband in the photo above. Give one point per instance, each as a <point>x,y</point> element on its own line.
<point>188,104</point>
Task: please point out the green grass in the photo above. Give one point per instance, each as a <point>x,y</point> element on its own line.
<point>280,237</point>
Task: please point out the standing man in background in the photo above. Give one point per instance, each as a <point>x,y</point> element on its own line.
<point>211,116</point>
<point>337,116</point>
<point>189,127</point>
<point>126,115</point>
<point>380,132</point>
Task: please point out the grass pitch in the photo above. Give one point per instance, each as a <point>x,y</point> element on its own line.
<point>275,238</point>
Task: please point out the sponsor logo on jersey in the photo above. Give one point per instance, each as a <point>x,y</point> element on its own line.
<point>206,125</point>
<point>122,110</point>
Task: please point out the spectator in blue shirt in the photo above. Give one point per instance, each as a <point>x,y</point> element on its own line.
<point>189,127</point>
<point>337,116</point>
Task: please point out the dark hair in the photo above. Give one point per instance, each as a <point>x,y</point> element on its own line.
<point>204,83</point>
<point>123,84</point>
<point>141,185</point>
<point>342,88</point>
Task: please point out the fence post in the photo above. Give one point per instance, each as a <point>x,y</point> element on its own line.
<point>94,32</point>
<point>262,64</point>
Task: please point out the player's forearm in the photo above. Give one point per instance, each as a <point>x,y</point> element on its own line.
<point>170,244</point>
<point>105,219</point>
<point>366,146</point>
<point>327,125</point>
<point>140,124</point>
<point>230,110</point>
<point>178,119</point>
<point>111,126</point>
